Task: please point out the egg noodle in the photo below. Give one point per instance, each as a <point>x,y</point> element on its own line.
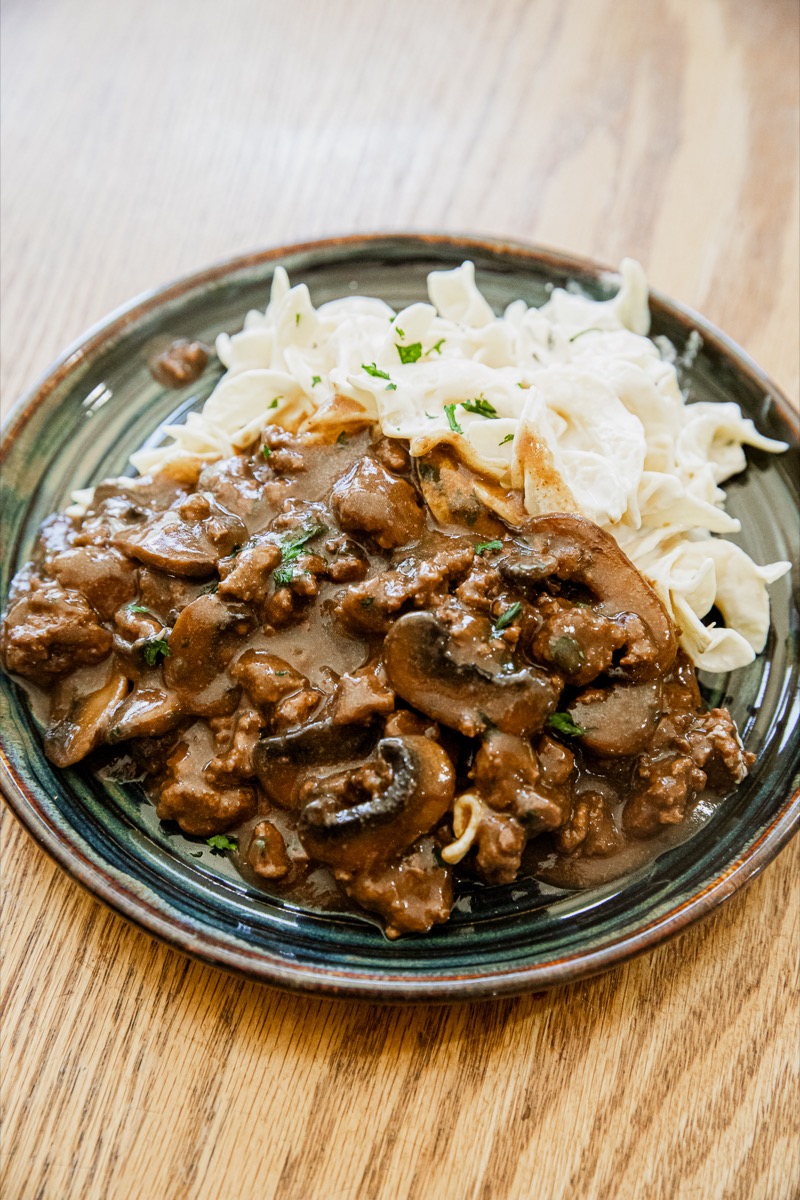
<point>569,407</point>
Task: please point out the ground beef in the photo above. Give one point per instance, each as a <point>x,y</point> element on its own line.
<point>411,894</point>
<point>590,830</point>
<point>181,363</point>
<point>369,606</point>
<point>194,796</point>
<point>361,695</point>
<point>51,631</point>
<point>574,639</point>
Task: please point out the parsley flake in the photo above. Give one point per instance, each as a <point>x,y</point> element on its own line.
<point>482,407</point>
<point>485,547</point>
<point>342,439</point>
<point>265,451</point>
<point>409,354</point>
<point>139,608</point>
<point>391,387</point>
<point>283,576</point>
<point>505,618</point>
<point>400,332</point>
<point>315,379</point>
<point>450,413</point>
<point>275,401</point>
<point>437,349</point>
<point>374,371</point>
<point>220,842</point>
<point>291,549</point>
<point>508,438</point>
<point>563,723</point>
<point>154,649</point>
<point>297,318</point>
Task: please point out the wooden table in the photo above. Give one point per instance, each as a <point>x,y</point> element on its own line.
<point>145,140</point>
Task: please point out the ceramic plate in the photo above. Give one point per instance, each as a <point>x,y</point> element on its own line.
<point>99,403</point>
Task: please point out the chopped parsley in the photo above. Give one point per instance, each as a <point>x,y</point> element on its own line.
<point>265,451</point>
<point>391,387</point>
<point>374,371</point>
<point>484,547</point>
<point>481,406</point>
<point>342,439</point>
<point>155,649</point>
<point>508,438</point>
<point>450,413</point>
<point>297,318</point>
<point>220,842</point>
<point>506,617</point>
<point>291,549</point>
<point>209,588</point>
<point>409,354</point>
<point>563,723</point>
<point>139,608</point>
<point>275,401</point>
<point>521,385</point>
<point>437,349</point>
<point>315,379</point>
<point>367,601</point>
<point>400,332</point>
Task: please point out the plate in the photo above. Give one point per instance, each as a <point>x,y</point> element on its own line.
<point>98,403</point>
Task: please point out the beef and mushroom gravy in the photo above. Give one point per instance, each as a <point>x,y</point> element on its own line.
<point>327,655</point>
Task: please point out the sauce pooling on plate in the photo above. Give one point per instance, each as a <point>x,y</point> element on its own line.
<point>330,658</point>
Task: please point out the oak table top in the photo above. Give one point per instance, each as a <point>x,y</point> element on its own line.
<point>141,141</point>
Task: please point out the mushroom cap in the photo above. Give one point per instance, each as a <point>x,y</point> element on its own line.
<point>417,794</point>
<point>470,692</point>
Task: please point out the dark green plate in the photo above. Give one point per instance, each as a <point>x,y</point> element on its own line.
<point>99,403</point>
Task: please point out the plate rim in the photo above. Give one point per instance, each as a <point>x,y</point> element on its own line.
<point>259,965</point>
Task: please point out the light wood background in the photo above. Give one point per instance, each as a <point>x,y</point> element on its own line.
<point>143,140</point>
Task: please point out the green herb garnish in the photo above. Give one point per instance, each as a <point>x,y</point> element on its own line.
<point>374,371</point>
<point>409,354</point>
<point>437,349</point>
<point>505,618</point>
<point>391,387</point>
<point>450,413</point>
<point>400,332</point>
<point>283,576</point>
<point>342,439</point>
<point>486,546</point>
<point>563,723</point>
<point>155,649</point>
<point>139,608</point>
<point>265,451</point>
<point>274,403</point>
<point>220,842</point>
<point>482,407</point>
<point>367,601</point>
<point>315,379</point>
<point>291,549</point>
<point>508,438</point>
<point>297,318</point>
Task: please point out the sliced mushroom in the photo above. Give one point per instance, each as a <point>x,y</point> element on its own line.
<point>358,818</point>
<point>205,637</point>
<point>83,711</point>
<point>188,539</point>
<point>280,761</point>
<point>460,684</point>
<point>570,548</point>
<point>146,712</point>
<point>619,720</point>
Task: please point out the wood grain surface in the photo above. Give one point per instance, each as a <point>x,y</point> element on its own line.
<point>142,140</point>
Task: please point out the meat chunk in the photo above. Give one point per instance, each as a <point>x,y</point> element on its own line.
<point>671,784</point>
<point>105,577</point>
<point>247,576</point>
<point>267,852</point>
<point>500,841</point>
<point>590,830</point>
<point>508,776</point>
<point>266,678</point>
<point>411,894</point>
<point>50,631</point>
<point>200,805</point>
<point>369,606</point>
<point>715,747</point>
<point>575,640</point>
<point>370,499</point>
<point>361,695</point>
<point>181,363</point>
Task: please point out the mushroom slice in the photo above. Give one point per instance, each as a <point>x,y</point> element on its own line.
<point>204,638</point>
<point>83,712</point>
<point>358,818</point>
<point>620,720</point>
<point>570,548</point>
<point>279,761</point>
<point>460,685</point>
